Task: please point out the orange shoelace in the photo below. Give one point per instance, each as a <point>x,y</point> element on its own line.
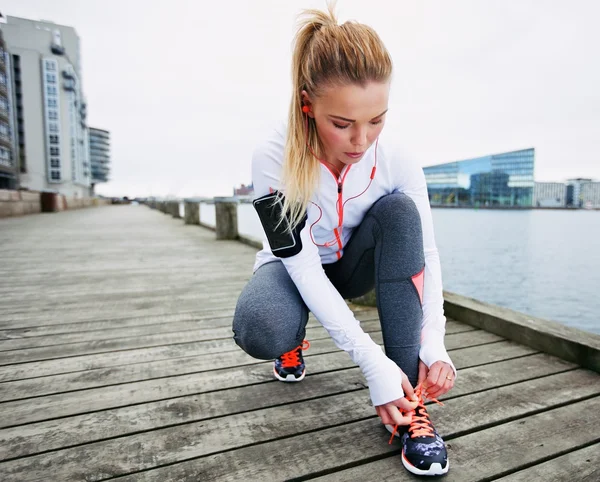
<point>292,358</point>
<point>420,426</point>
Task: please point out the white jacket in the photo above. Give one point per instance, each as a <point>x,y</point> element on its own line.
<point>321,245</point>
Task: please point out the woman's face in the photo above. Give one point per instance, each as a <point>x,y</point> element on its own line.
<point>349,119</point>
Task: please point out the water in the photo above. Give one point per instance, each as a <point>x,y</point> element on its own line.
<point>544,263</point>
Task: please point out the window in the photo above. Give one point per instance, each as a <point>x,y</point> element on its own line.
<point>54,151</point>
<point>55,162</point>
<point>55,175</point>
<point>53,127</point>
<point>52,115</point>
<point>52,103</point>
<point>53,139</point>
<point>51,90</point>
<point>50,65</point>
<point>51,78</point>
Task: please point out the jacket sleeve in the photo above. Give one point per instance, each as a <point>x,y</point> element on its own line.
<point>322,299</point>
<point>409,179</point>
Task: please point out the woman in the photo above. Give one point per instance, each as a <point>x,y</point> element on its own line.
<point>357,216</point>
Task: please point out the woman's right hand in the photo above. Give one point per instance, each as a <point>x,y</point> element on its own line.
<point>391,413</point>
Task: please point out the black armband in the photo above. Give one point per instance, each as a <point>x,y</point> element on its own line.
<point>283,243</point>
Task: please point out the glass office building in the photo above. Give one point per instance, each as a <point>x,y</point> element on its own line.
<point>495,180</point>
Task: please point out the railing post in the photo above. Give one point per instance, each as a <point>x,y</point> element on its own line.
<point>226,217</point>
<point>174,209</point>
<point>192,212</point>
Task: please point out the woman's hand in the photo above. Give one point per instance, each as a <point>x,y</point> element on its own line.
<point>390,413</point>
<point>437,380</point>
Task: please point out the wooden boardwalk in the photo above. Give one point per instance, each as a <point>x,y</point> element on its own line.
<point>116,361</point>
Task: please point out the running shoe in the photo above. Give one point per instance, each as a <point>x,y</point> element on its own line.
<point>290,367</point>
<point>423,450</point>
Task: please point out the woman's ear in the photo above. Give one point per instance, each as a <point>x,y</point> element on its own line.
<point>306,101</point>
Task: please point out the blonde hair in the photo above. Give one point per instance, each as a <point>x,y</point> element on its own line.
<point>325,54</point>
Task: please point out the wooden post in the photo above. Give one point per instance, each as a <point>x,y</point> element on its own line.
<point>192,212</point>
<point>174,209</point>
<point>226,217</point>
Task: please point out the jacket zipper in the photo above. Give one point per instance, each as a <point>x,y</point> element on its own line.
<point>339,206</point>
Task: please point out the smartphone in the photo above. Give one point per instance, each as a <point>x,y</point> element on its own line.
<point>269,208</point>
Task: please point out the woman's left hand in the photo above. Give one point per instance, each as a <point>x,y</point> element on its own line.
<point>437,380</point>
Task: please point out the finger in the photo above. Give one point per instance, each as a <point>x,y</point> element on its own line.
<point>408,389</point>
<point>405,405</point>
<point>422,372</point>
<point>396,416</point>
<point>448,383</point>
<point>447,386</point>
<point>433,376</point>
<point>386,419</point>
<point>383,415</point>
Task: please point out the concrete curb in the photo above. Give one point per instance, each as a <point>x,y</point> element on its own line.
<point>548,336</point>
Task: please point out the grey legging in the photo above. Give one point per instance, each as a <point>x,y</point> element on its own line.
<point>385,251</point>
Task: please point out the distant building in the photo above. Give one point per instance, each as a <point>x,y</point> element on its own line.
<point>9,165</point>
<point>99,155</point>
<point>590,194</point>
<point>51,131</point>
<point>496,180</point>
<point>243,190</point>
<point>574,191</point>
<point>550,194</point>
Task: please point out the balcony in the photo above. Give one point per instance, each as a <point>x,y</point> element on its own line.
<point>69,85</point>
<point>57,49</point>
<point>5,141</point>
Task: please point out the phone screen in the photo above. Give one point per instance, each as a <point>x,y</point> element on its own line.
<point>269,210</point>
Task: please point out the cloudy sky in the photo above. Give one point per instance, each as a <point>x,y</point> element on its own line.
<point>188,88</point>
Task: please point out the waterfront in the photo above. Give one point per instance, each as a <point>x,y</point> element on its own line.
<point>544,263</point>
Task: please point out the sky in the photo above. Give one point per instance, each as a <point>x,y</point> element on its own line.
<point>187,89</point>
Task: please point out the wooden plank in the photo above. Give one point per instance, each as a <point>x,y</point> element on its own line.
<point>216,318</point>
<point>83,348</point>
<point>151,389</point>
<point>55,434</point>
<point>198,441</point>
<point>142,309</point>
<point>112,294</point>
<point>17,339</point>
<point>56,324</point>
<point>213,328</point>
<point>582,465</point>
<point>129,305</point>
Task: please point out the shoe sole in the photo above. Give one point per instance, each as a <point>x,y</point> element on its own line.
<point>290,378</point>
<point>434,469</point>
